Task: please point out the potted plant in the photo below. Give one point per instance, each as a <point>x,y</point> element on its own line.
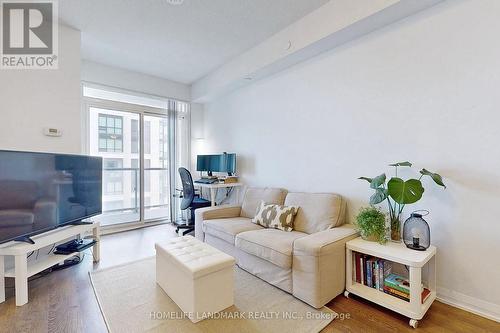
<point>371,224</point>
<point>398,193</point>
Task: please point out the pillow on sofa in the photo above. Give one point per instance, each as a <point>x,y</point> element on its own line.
<point>318,211</point>
<point>254,195</point>
<point>276,216</point>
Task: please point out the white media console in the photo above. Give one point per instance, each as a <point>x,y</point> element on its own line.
<point>23,268</point>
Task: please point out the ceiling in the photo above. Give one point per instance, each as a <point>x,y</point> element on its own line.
<point>178,42</point>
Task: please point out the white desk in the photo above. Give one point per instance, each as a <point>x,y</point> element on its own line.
<point>215,186</point>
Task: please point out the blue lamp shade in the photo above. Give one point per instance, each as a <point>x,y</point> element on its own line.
<point>416,233</point>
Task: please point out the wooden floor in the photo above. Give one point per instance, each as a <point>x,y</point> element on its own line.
<point>64,301</point>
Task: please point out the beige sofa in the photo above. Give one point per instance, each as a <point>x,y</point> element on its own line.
<point>308,262</point>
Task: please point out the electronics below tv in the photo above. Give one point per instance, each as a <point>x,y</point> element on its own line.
<point>42,191</point>
<point>217,163</point>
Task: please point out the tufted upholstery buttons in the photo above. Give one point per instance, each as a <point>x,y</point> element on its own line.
<point>193,256</point>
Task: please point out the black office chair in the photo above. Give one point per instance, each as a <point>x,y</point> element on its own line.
<point>190,200</point>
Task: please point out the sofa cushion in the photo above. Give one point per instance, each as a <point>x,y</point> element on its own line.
<point>254,196</point>
<point>318,211</point>
<point>273,245</point>
<point>276,216</point>
<point>228,228</point>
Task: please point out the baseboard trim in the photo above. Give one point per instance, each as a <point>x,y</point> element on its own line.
<point>468,303</point>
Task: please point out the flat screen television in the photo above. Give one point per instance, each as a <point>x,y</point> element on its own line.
<point>43,191</point>
<point>217,163</point>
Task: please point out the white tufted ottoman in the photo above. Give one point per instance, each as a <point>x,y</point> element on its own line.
<point>196,276</point>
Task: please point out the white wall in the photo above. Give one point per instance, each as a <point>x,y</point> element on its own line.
<point>424,90</point>
<point>33,99</point>
<point>329,26</point>
<point>133,81</point>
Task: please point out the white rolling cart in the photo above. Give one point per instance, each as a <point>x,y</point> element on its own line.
<point>418,262</point>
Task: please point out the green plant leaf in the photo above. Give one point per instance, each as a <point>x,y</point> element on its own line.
<point>377,181</point>
<point>379,196</point>
<point>405,164</point>
<point>369,180</point>
<point>405,192</point>
<point>371,223</point>
<point>436,177</point>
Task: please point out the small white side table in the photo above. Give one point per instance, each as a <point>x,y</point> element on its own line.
<point>399,253</point>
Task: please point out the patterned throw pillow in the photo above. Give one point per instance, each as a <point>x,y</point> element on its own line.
<point>276,216</point>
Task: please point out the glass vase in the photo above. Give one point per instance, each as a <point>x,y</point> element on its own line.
<point>395,229</point>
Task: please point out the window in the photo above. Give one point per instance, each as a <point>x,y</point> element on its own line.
<point>113,176</point>
<point>163,143</point>
<point>117,123</point>
<point>134,180</point>
<point>134,164</point>
<point>147,176</point>
<point>110,133</point>
<point>134,135</point>
<point>147,137</point>
<point>134,148</point>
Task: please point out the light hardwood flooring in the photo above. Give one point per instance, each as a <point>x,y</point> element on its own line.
<point>64,301</point>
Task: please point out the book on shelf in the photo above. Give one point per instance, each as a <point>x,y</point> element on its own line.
<point>371,271</point>
<point>377,273</point>
<point>425,295</point>
<point>398,282</point>
<point>396,292</point>
<point>399,286</point>
<point>369,274</point>
<point>406,297</point>
<point>357,268</point>
<point>362,270</point>
<point>366,274</point>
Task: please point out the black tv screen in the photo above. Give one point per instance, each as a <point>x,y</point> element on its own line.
<point>42,191</point>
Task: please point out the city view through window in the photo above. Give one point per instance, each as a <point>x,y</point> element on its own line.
<point>115,135</point>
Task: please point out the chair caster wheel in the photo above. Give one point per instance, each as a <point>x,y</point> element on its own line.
<point>413,323</point>
<point>346,294</point>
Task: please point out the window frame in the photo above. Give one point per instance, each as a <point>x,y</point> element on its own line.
<point>108,136</point>
<point>135,133</point>
<point>170,115</point>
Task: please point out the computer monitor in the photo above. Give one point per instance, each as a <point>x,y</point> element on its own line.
<point>216,163</point>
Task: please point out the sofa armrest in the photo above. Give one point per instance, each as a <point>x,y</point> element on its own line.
<point>320,243</point>
<point>211,213</point>
<point>319,265</point>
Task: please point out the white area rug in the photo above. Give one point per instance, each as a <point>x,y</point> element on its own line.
<point>131,301</point>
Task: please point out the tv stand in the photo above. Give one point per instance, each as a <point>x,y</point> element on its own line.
<point>23,268</point>
<point>25,239</point>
